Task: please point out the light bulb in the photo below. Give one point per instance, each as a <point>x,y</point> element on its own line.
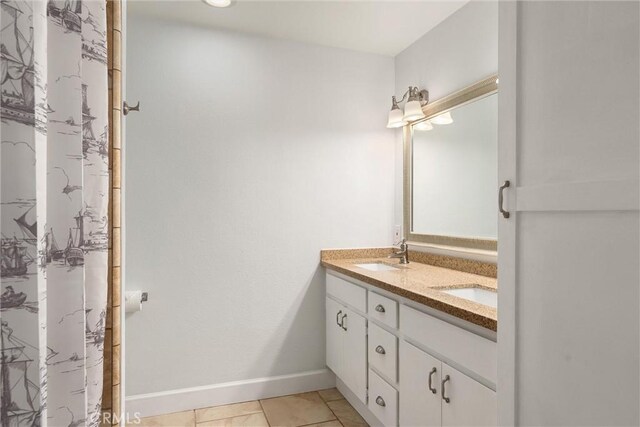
<point>442,119</point>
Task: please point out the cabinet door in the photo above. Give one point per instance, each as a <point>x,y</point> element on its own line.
<point>419,406</point>
<point>470,403</point>
<point>334,336</point>
<point>573,166</point>
<point>354,372</point>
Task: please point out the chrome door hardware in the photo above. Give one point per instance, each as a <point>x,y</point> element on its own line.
<point>431,388</point>
<point>504,213</point>
<point>126,108</point>
<point>380,350</point>
<point>380,401</point>
<point>442,389</point>
<point>380,308</point>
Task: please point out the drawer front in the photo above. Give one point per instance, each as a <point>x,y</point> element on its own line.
<point>383,310</point>
<point>451,341</point>
<point>383,352</point>
<point>383,400</point>
<point>353,295</point>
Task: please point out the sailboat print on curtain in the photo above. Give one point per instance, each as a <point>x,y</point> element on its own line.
<point>17,72</point>
<point>53,211</point>
<point>17,389</point>
<point>65,13</point>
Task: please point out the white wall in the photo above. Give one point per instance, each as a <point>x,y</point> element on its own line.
<point>249,156</point>
<point>460,51</point>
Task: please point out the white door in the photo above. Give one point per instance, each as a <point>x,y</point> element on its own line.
<point>355,353</point>
<point>469,402</point>
<point>420,375</point>
<point>568,143</point>
<point>334,312</point>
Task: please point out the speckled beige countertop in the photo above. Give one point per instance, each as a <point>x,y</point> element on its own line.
<point>418,282</point>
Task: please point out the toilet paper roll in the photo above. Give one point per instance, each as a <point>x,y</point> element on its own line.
<point>132,301</point>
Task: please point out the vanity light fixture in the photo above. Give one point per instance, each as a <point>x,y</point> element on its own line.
<point>395,115</point>
<point>218,3</point>
<point>442,119</point>
<point>412,109</point>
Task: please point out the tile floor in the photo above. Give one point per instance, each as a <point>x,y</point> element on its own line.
<point>324,408</point>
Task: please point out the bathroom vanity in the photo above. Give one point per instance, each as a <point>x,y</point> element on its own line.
<point>410,344</point>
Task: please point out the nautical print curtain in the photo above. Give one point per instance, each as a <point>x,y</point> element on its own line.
<point>53,214</point>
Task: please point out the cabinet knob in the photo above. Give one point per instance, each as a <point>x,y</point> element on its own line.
<point>380,350</point>
<point>380,308</point>
<point>380,401</point>
<point>443,390</point>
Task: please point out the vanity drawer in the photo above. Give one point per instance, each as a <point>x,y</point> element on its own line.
<point>353,295</point>
<point>383,310</point>
<point>383,400</point>
<point>383,352</point>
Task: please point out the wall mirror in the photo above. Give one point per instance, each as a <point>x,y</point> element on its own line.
<point>451,171</point>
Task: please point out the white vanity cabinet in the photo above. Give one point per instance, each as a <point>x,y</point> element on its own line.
<point>435,394</point>
<point>347,335</point>
<point>403,364</point>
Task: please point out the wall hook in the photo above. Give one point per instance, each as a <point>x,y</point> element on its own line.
<point>126,108</point>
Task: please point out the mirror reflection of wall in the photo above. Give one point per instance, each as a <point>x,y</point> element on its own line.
<point>455,172</point>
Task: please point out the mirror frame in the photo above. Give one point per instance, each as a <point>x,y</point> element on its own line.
<point>479,90</point>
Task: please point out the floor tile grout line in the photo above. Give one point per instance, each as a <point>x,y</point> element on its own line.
<point>334,414</point>
<point>264,413</point>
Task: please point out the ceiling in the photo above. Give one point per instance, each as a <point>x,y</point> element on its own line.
<point>382,27</point>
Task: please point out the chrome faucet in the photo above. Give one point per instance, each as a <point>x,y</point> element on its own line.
<point>403,253</point>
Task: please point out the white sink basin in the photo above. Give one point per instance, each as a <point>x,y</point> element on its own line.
<point>376,266</point>
<point>479,295</point>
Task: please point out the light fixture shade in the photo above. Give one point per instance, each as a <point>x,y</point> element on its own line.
<point>424,125</point>
<point>412,111</point>
<point>442,119</point>
<point>218,3</point>
<point>395,118</point>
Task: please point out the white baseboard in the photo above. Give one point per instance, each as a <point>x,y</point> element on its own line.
<point>166,402</point>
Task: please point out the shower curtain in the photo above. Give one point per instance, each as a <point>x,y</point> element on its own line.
<point>54,187</point>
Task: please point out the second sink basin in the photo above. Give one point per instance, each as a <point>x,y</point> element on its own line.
<point>479,295</point>
<point>376,266</point>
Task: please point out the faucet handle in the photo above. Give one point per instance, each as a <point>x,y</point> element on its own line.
<point>401,243</point>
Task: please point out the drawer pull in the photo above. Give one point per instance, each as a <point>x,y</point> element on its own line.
<point>342,324</point>
<point>380,308</point>
<point>431,388</point>
<point>337,316</point>
<point>443,390</point>
<point>380,401</point>
<point>380,350</point>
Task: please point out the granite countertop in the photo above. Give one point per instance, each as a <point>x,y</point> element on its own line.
<point>418,282</point>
